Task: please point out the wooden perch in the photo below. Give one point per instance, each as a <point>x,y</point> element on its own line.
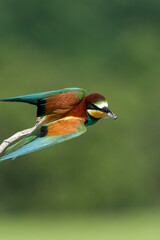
<point>17,135</point>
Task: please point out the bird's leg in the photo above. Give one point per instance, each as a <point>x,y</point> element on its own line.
<point>17,135</point>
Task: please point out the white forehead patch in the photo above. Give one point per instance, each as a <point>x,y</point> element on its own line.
<point>101,104</point>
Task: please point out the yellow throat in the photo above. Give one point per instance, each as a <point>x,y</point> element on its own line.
<point>96,113</point>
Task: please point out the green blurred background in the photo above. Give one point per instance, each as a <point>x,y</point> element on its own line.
<point>106,183</point>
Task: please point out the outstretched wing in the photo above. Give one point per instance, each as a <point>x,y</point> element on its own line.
<point>53,102</point>
<point>46,135</point>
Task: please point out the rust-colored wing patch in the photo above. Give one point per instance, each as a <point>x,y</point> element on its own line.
<point>58,103</point>
<point>64,126</point>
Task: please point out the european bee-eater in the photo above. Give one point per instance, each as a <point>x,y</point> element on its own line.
<point>64,115</point>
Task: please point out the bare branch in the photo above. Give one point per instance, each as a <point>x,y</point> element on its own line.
<point>17,135</point>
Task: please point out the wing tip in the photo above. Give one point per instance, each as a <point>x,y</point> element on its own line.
<point>4,158</point>
<point>4,100</point>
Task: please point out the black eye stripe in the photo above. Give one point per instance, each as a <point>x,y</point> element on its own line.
<point>93,107</point>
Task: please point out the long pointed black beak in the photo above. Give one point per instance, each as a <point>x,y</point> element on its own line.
<point>110,114</point>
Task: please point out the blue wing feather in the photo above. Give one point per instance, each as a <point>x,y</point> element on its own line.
<point>33,98</point>
<point>38,143</point>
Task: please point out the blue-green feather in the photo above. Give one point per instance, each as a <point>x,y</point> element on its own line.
<point>33,98</point>
<point>32,143</point>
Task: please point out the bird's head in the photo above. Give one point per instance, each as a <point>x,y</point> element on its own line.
<point>97,107</point>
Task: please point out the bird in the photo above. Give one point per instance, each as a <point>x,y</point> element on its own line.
<point>64,114</point>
